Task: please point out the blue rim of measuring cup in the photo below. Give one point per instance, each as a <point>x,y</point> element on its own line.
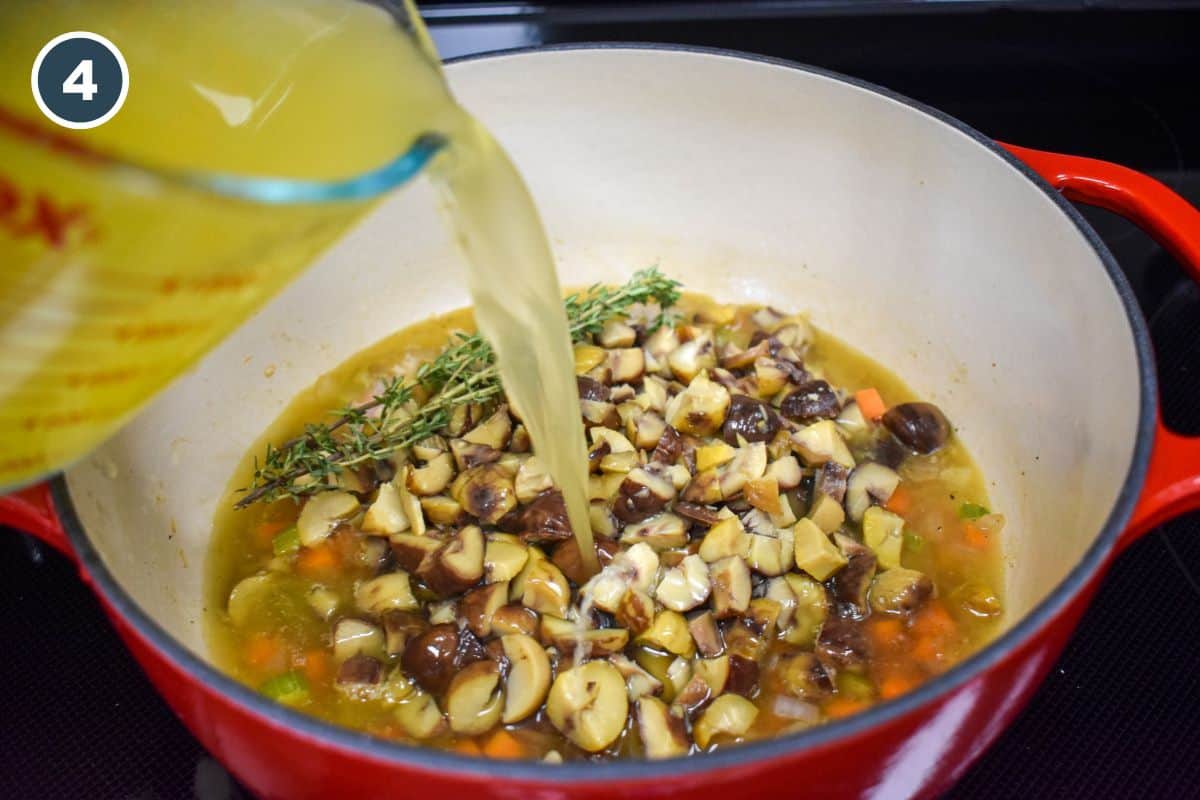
<point>258,189</point>
<point>284,191</point>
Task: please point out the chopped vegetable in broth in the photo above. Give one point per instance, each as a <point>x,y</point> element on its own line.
<point>785,536</point>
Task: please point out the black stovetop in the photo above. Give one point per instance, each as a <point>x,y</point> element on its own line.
<point>1120,714</point>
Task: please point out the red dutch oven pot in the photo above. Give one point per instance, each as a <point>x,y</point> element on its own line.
<point>722,167</point>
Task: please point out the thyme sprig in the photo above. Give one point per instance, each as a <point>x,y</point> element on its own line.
<point>464,373</point>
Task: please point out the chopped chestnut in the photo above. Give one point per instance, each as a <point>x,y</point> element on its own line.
<point>360,670</point>
<point>457,565</point>
<point>852,582</point>
<point>749,419</point>
<point>920,426</point>
<point>831,480</point>
<point>900,591</point>
<point>566,557</point>
<point>545,519</point>
<point>706,634</point>
<point>743,676</point>
<point>704,515</point>
<point>644,492</point>
<point>478,607</point>
<point>842,644</point>
<point>811,402</point>
<point>432,658</point>
<point>669,447</point>
<point>590,389</point>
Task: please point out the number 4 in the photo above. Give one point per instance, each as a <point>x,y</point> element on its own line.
<point>80,81</point>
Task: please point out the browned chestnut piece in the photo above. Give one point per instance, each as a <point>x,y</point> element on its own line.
<point>597,454</point>
<point>644,492</point>
<point>920,426</point>
<point>429,658</point>
<point>669,447</point>
<point>433,658</point>
<point>813,401</point>
<point>751,419</point>
<point>591,389</point>
<point>566,557</point>
<point>796,373</point>
<point>743,676</point>
<point>413,551</point>
<point>704,515</point>
<point>842,644</point>
<point>545,519</point>
<point>900,591</point>
<point>801,675</point>
<point>457,565</point>
<point>470,649</point>
<point>360,669</point>
<point>705,632</point>
<point>478,607</point>
<point>773,343</point>
<point>831,480</point>
<point>853,581</point>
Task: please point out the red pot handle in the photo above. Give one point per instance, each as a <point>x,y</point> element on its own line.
<point>1173,481</point>
<point>32,510</point>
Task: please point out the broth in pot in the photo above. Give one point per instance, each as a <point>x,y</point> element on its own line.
<point>785,535</point>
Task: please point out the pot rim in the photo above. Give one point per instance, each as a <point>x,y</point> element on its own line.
<point>745,756</point>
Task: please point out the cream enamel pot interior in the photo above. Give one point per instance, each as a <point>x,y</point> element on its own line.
<point>746,181</point>
<point>907,235</point>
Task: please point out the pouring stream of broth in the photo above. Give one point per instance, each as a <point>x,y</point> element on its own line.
<point>519,308</point>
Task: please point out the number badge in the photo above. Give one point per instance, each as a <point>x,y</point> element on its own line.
<point>80,80</point>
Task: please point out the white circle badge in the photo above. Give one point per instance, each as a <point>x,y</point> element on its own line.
<point>80,80</point>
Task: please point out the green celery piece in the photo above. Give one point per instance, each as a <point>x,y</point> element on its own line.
<point>286,541</point>
<point>290,688</point>
<point>972,511</point>
<point>855,686</point>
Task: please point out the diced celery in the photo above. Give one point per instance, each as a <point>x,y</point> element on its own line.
<point>290,688</point>
<point>286,541</point>
<point>855,686</point>
<point>972,511</point>
<point>912,542</point>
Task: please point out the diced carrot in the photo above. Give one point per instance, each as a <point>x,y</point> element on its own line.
<point>895,685</point>
<point>933,621</point>
<point>900,502</point>
<point>266,530</point>
<point>843,707</point>
<point>870,403</point>
<point>467,747</point>
<point>975,537</point>
<point>315,562</point>
<point>503,744</point>
<point>265,652</point>
<point>928,652</point>
<point>317,666</point>
<point>386,730</point>
<point>885,632</point>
